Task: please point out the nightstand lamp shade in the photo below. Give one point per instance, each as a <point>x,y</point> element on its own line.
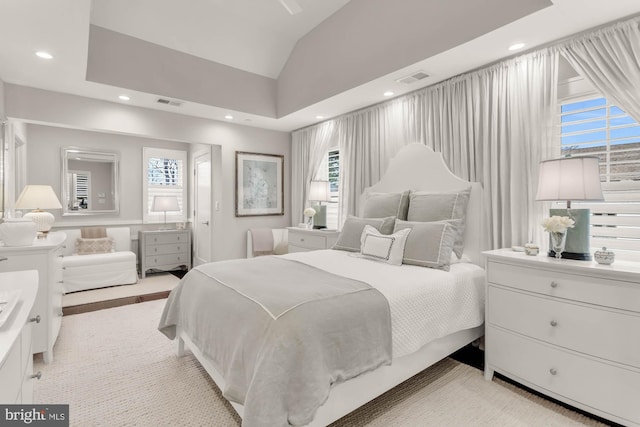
<point>319,192</point>
<point>572,179</point>
<point>165,204</point>
<point>39,197</point>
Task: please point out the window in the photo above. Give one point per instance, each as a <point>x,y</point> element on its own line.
<point>330,171</point>
<point>164,174</point>
<point>592,126</point>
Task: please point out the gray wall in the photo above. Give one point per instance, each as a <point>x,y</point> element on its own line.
<point>74,120</point>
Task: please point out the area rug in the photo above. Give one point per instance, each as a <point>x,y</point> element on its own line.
<point>114,368</point>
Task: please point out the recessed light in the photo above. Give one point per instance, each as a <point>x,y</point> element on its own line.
<point>228,117</point>
<point>516,46</point>
<point>319,117</point>
<point>44,55</point>
<point>124,97</point>
<point>388,93</point>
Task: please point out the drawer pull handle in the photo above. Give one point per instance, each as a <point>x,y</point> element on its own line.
<point>554,323</point>
<point>552,371</point>
<point>36,319</point>
<point>36,376</point>
<point>554,284</point>
<point>302,239</point>
<point>4,258</point>
<point>60,281</point>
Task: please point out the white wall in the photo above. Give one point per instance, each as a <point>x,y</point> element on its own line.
<point>108,125</point>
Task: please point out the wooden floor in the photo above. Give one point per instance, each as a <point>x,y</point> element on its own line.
<point>101,305</point>
<point>153,287</point>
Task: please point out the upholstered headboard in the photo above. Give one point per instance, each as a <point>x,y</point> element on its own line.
<point>417,167</point>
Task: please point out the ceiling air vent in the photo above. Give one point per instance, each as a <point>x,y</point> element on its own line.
<point>169,102</point>
<point>413,77</point>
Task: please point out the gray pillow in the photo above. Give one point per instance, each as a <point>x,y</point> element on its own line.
<point>429,244</point>
<point>427,207</point>
<point>381,205</point>
<point>349,238</point>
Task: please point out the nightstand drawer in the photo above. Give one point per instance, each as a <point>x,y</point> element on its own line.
<point>152,261</point>
<point>610,293</point>
<point>168,237</point>
<point>586,329</point>
<point>307,241</point>
<point>609,388</point>
<point>166,249</point>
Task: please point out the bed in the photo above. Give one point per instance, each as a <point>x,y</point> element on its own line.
<point>429,313</point>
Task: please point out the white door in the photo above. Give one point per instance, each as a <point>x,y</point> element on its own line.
<point>202,216</point>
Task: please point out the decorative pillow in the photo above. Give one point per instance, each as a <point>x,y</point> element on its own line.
<point>427,207</point>
<point>380,205</point>
<point>387,248</point>
<point>430,244</point>
<point>349,238</point>
<point>101,245</point>
<point>93,232</point>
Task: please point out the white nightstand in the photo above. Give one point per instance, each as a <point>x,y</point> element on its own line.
<point>302,239</point>
<point>164,250</point>
<point>568,329</point>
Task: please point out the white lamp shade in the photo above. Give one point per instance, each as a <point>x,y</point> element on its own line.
<point>570,178</point>
<point>38,197</point>
<point>165,203</point>
<point>319,191</point>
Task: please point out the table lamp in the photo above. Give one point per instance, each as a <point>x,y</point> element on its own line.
<point>319,192</point>
<point>572,179</point>
<point>39,197</point>
<point>164,204</point>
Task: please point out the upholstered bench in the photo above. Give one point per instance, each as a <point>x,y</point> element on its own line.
<point>99,270</point>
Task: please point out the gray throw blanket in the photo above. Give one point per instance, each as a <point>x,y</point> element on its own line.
<point>280,332</point>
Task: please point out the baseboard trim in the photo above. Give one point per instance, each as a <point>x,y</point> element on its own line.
<point>101,305</point>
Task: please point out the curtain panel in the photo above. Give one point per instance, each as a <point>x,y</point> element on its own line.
<point>309,146</point>
<point>610,59</point>
<point>492,126</point>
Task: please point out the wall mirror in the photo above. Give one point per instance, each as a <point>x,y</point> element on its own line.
<point>90,183</point>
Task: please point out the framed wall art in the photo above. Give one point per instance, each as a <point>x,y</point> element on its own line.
<point>259,184</point>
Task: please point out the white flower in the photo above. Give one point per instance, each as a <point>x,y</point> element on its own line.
<point>557,224</point>
<point>309,212</point>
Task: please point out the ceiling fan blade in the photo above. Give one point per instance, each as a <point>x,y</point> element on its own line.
<point>292,6</point>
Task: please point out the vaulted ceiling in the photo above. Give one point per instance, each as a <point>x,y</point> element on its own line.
<point>253,60</point>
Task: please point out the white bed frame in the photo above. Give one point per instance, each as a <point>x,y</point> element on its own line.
<point>415,167</point>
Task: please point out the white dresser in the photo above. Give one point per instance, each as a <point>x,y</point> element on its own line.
<point>16,355</point>
<point>568,329</point>
<point>45,256</point>
<point>164,250</point>
<point>302,239</point>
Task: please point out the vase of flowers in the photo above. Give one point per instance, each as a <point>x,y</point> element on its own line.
<point>557,227</point>
<point>309,213</point>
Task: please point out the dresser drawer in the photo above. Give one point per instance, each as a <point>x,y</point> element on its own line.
<point>610,293</point>
<point>164,238</point>
<point>167,249</point>
<point>307,241</point>
<point>598,385</point>
<point>586,329</point>
<point>152,261</point>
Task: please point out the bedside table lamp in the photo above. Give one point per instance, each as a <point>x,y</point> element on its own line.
<point>572,178</point>
<point>39,197</point>
<point>319,192</point>
<point>164,204</point>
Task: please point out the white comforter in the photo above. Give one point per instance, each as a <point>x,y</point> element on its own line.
<point>426,304</point>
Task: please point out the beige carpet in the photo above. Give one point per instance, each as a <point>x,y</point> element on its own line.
<point>115,369</point>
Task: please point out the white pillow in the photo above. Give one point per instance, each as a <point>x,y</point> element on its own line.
<point>387,248</point>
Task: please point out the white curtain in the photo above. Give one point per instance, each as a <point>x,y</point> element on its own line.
<point>308,148</point>
<point>492,126</point>
<point>610,59</point>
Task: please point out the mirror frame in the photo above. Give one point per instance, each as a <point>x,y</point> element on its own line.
<point>107,156</point>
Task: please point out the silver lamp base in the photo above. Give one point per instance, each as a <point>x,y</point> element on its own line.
<point>577,246</point>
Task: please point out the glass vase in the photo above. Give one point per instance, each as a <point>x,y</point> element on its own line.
<point>558,240</point>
